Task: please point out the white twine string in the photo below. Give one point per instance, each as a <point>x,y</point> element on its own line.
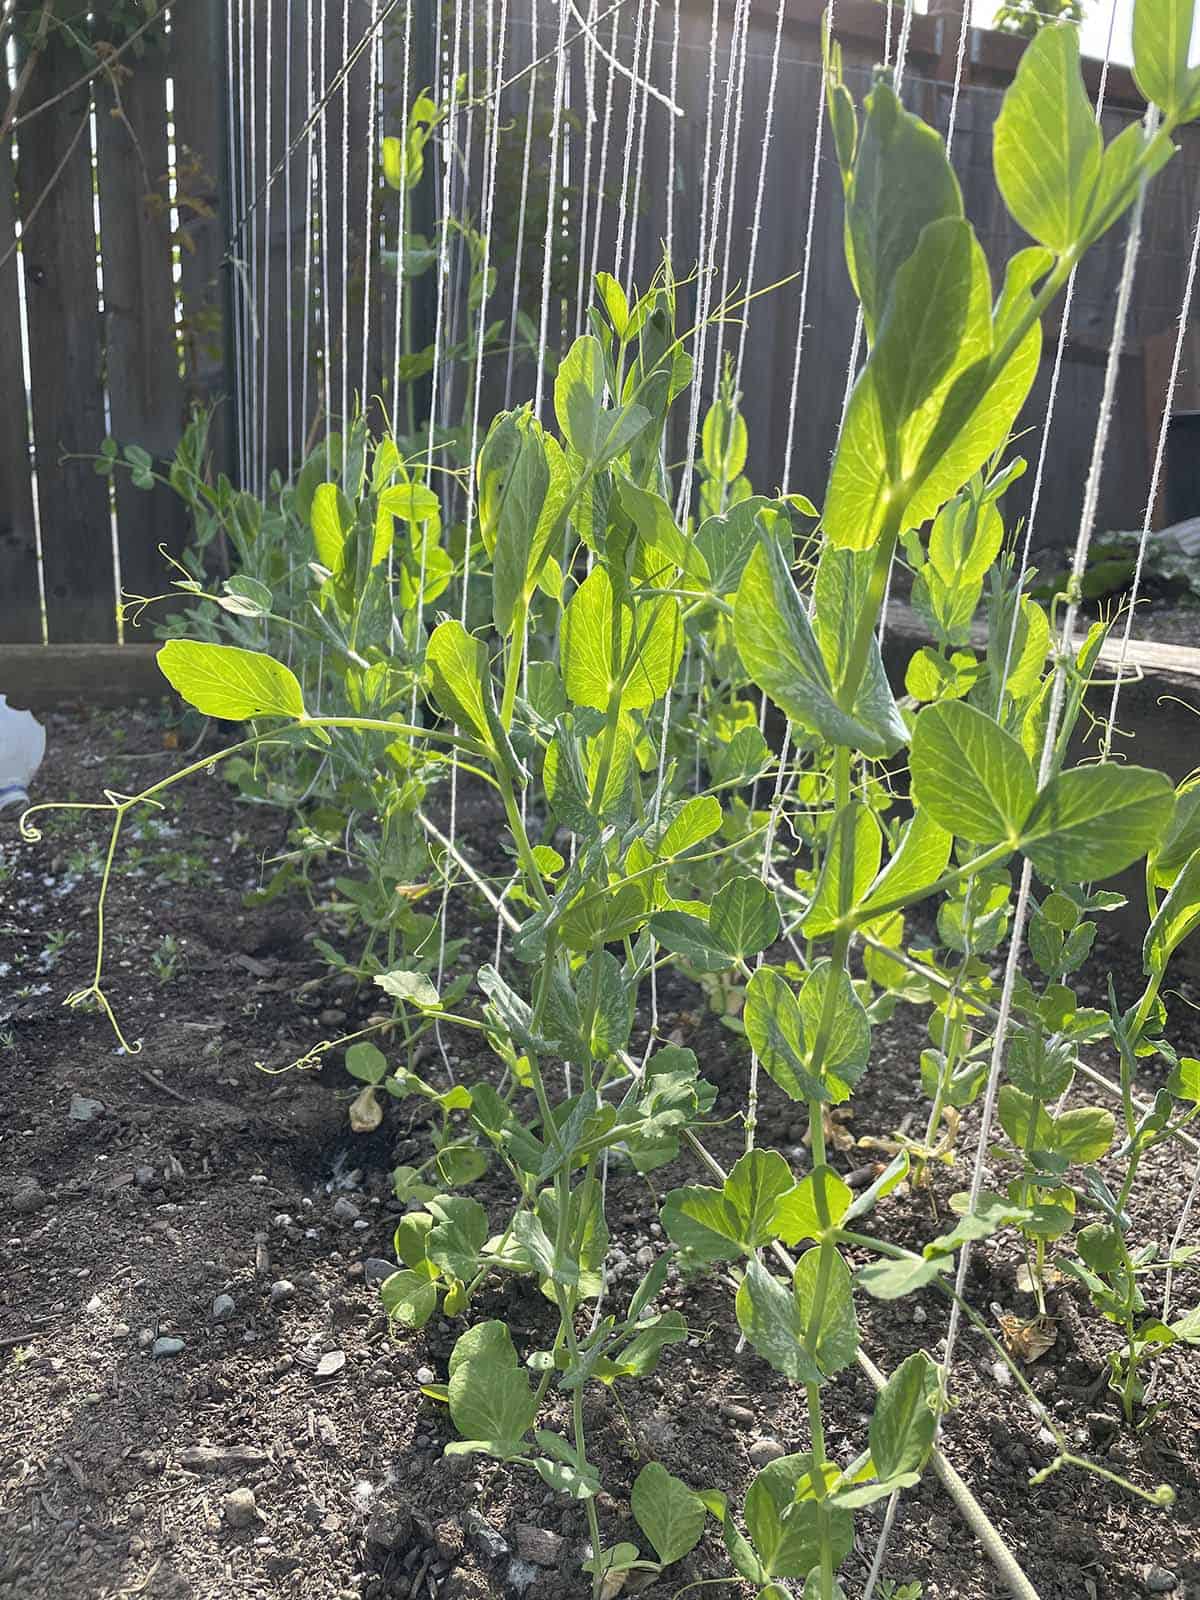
<point>521,210</point>
<point>268,79</point>
<point>560,66</point>
<point>1160,451</point>
<point>760,191</point>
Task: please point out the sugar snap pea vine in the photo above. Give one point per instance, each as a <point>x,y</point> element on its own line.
<point>637,837</point>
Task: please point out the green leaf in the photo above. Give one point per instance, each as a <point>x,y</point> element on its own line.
<point>615,302</point>
<point>970,776</point>
<point>597,435</point>
<point>798,1214</point>
<point>1177,917</point>
<point>520,498</point>
<point>492,1405</point>
<point>690,937</point>
<point>460,679</point>
<point>221,680</point>
<point>1046,146</point>
<point>649,647</point>
<point>901,181</point>
<point>414,988</point>
<point>459,1233</point>
<point>918,862</point>
<point>786,1524</point>
<point>1084,1134</point>
<point>738,1218</point>
<point>850,864</point>
<point>905,1418</point>
<point>768,1315</point>
<point>938,324</point>
<point>667,1511</point>
<point>1185,1079</point>
<point>539,1250</point>
<point>934,325</point>
<point>487,1343</point>
<point>1182,837</point>
<point>579,395</point>
<point>563,1468</point>
<point>744,918</point>
<point>1092,822</point>
<point>781,655</point>
<point>825,1299</point>
<point>1162,37</point>
<point>366,1062</point>
<point>331,521</point>
<point>847,1039</point>
<point>775,1029</point>
<point>892,1280</point>
<point>685,825</point>
<point>409,1298</point>
<point>411,502</point>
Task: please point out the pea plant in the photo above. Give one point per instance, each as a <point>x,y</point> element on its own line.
<point>647,819</point>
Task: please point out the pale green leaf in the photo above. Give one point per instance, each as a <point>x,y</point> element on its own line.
<point>221,680</point>
<point>918,862</point>
<point>667,1511</point>
<point>905,1418</point>
<point>415,988</point>
<point>1046,147</point>
<point>1177,918</point>
<point>799,1214</point>
<point>1090,823</point>
<point>825,1299</point>
<point>744,918</point>
<point>972,778</point>
<point>1162,38</point>
<point>781,655</point>
<point>769,1317</point>
<point>850,863</point>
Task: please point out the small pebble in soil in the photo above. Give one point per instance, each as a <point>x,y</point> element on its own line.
<point>120,1331</point>
<point>538,1545</point>
<point>143,1177</point>
<point>167,1345</point>
<point>331,1364</point>
<point>85,1109</point>
<point>920,1314</point>
<point>487,1541</point>
<point>521,1576</point>
<point>241,1508</point>
<point>344,1210</point>
<point>740,1416</point>
<point>94,1306</point>
<point>223,1308</point>
<point>1160,1581</point>
<point>425,1375</point>
<point>28,1199</point>
<point>376,1269</point>
<point>763,1451</point>
<point>283,1292</point>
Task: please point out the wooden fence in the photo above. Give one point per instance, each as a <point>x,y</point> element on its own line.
<point>203,218</point>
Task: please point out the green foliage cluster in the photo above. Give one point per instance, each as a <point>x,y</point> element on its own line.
<point>606,674</point>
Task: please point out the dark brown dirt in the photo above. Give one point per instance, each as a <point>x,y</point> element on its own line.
<point>201,1175</point>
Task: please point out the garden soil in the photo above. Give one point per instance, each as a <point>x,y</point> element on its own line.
<point>199,1397</point>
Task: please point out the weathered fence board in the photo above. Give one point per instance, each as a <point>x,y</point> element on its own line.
<point>66,353</point>
<point>145,389</point>
<point>283,310</point>
<point>202,156</point>
<point>20,604</point>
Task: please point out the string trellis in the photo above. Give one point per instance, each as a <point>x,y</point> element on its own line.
<point>571,137</point>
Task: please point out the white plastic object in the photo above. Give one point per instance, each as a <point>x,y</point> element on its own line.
<point>22,746</point>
